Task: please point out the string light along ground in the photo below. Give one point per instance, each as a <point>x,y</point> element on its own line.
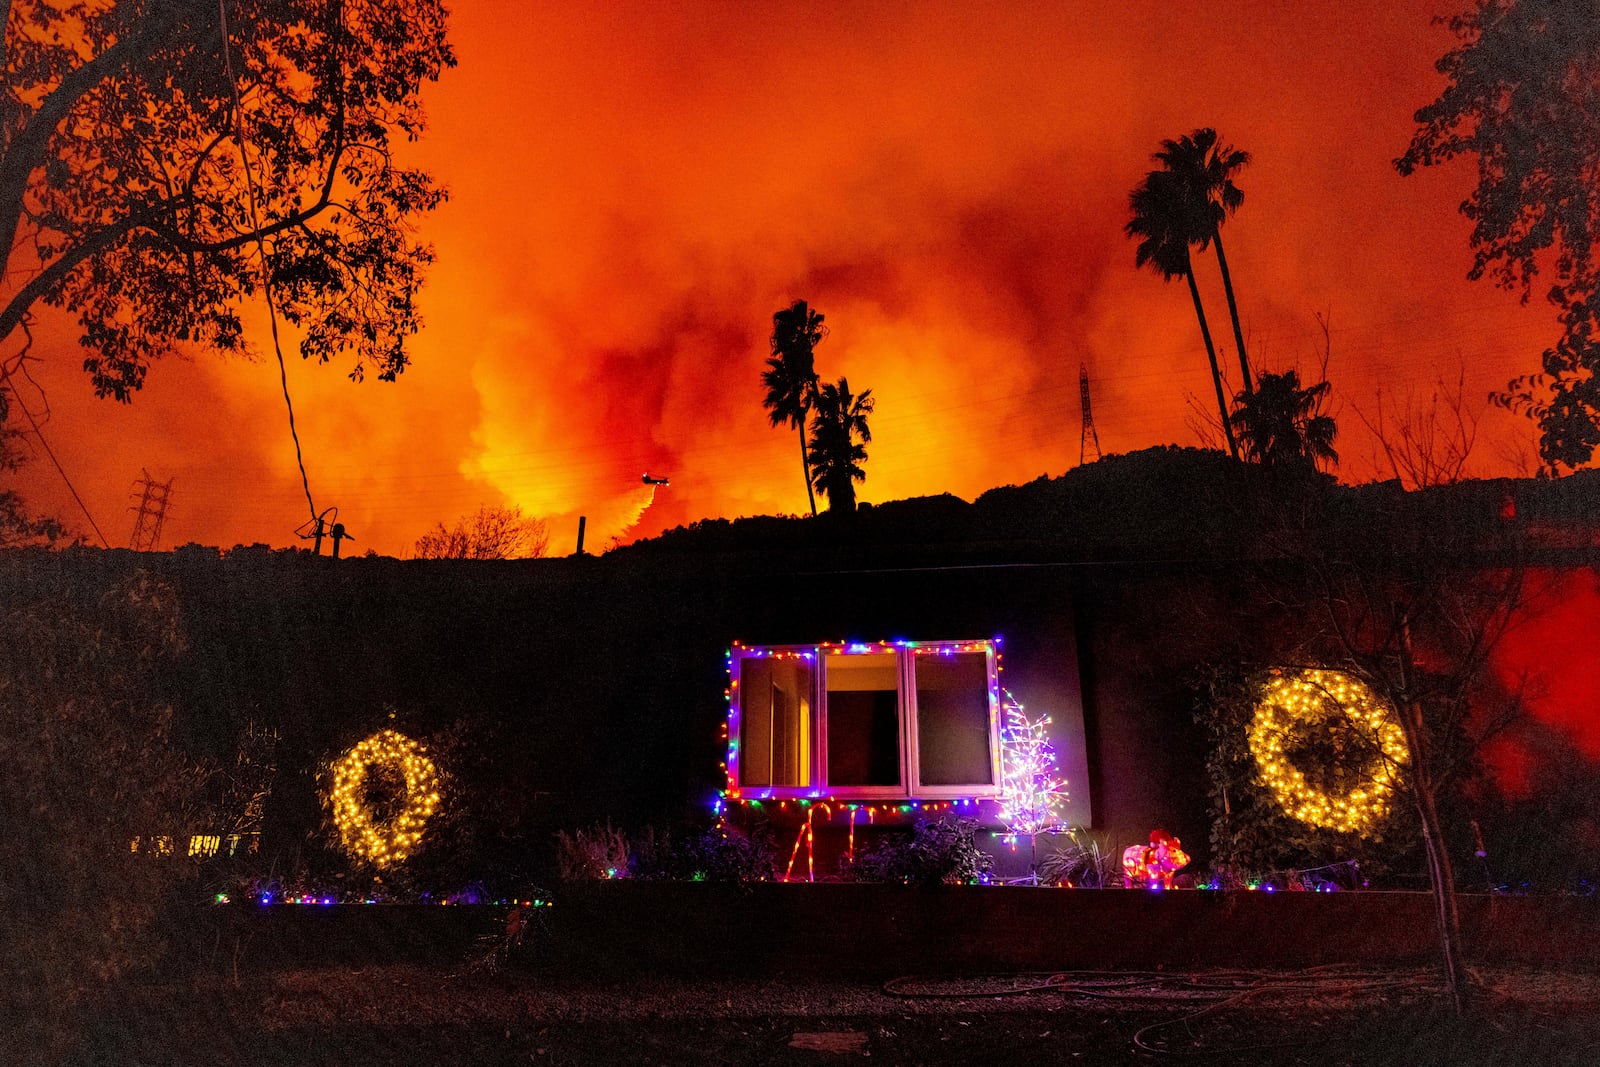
<point>383,842</point>
<point>1322,698</point>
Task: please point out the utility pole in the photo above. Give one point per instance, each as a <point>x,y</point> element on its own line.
<point>152,512</point>
<point>1088,416</point>
<point>321,526</point>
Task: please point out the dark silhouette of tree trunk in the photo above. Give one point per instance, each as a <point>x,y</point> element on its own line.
<point>1202,170</point>
<point>1233,311</point>
<point>791,375</point>
<point>1165,219</point>
<point>1424,795</point>
<point>805,469</point>
<point>1428,586</point>
<point>1216,371</point>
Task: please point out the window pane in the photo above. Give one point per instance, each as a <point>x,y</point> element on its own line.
<point>774,722</point>
<point>863,720</point>
<point>953,719</point>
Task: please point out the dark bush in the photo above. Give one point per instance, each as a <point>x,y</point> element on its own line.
<point>936,851</point>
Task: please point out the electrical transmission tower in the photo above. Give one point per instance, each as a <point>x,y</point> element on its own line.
<point>152,509</point>
<point>1088,417</point>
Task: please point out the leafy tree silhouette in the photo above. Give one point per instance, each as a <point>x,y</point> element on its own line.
<point>158,166</point>
<point>495,532</point>
<point>1281,424</point>
<point>839,434</point>
<point>1520,97</point>
<point>791,375</point>
<point>1165,218</point>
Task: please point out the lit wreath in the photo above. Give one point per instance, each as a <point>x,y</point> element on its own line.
<point>1316,697</point>
<point>390,841</point>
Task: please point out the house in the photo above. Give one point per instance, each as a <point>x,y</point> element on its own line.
<point>858,670</point>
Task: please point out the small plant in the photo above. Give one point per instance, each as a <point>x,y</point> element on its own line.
<point>724,854</point>
<point>594,855</point>
<point>942,851</point>
<point>721,853</point>
<point>1083,862</point>
<point>523,935</point>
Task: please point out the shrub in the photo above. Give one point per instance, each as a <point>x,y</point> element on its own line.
<point>1082,861</point>
<point>728,855</point>
<point>92,767</point>
<point>591,855</point>
<point>936,851</point>
<point>721,853</point>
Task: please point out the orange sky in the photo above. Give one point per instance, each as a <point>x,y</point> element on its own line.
<point>635,189</point>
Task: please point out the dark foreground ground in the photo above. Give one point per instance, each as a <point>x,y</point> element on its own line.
<point>407,1014</point>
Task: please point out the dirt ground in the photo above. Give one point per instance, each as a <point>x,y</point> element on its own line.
<point>448,1016</point>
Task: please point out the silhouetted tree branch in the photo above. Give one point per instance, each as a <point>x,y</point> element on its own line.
<point>126,173</point>
<point>1520,99</point>
<point>495,532</point>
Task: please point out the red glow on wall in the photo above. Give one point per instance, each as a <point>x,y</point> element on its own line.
<point>1511,766</point>
<point>1552,649</point>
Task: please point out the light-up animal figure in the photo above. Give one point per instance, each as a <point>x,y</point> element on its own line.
<point>1153,865</point>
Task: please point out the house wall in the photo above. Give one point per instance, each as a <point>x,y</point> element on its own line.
<point>565,692</point>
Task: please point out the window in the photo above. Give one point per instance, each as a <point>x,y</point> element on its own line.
<point>777,718</point>
<point>953,713</point>
<point>880,720</point>
<point>863,720</point>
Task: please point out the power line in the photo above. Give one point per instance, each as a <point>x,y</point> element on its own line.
<point>37,432</point>
<point>261,250</point>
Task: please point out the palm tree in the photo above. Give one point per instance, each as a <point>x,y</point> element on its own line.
<point>1163,220</point>
<point>1282,425</point>
<point>1206,172</point>
<point>791,375</point>
<point>838,435</point>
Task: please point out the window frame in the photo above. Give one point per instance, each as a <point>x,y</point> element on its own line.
<point>910,786</point>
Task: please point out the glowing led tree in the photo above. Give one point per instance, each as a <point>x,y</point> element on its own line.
<point>383,838</point>
<point>1032,792</point>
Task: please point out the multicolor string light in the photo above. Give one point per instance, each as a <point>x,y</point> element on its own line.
<point>732,793</point>
<point>1031,793</point>
<point>387,841</point>
<point>1322,698</point>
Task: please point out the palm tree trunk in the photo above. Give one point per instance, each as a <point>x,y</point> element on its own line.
<point>1216,372</point>
<point>1233,312</point>
<point>805,465</point>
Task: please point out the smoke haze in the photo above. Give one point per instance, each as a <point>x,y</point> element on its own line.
<point>636,188</point>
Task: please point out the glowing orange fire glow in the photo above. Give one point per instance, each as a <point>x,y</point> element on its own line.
<point>637,187</point>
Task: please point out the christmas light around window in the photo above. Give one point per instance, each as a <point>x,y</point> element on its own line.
<point>387,841</point>
<point>1031,792</point>
<point>1317,697</point>
<point>806,801</point>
